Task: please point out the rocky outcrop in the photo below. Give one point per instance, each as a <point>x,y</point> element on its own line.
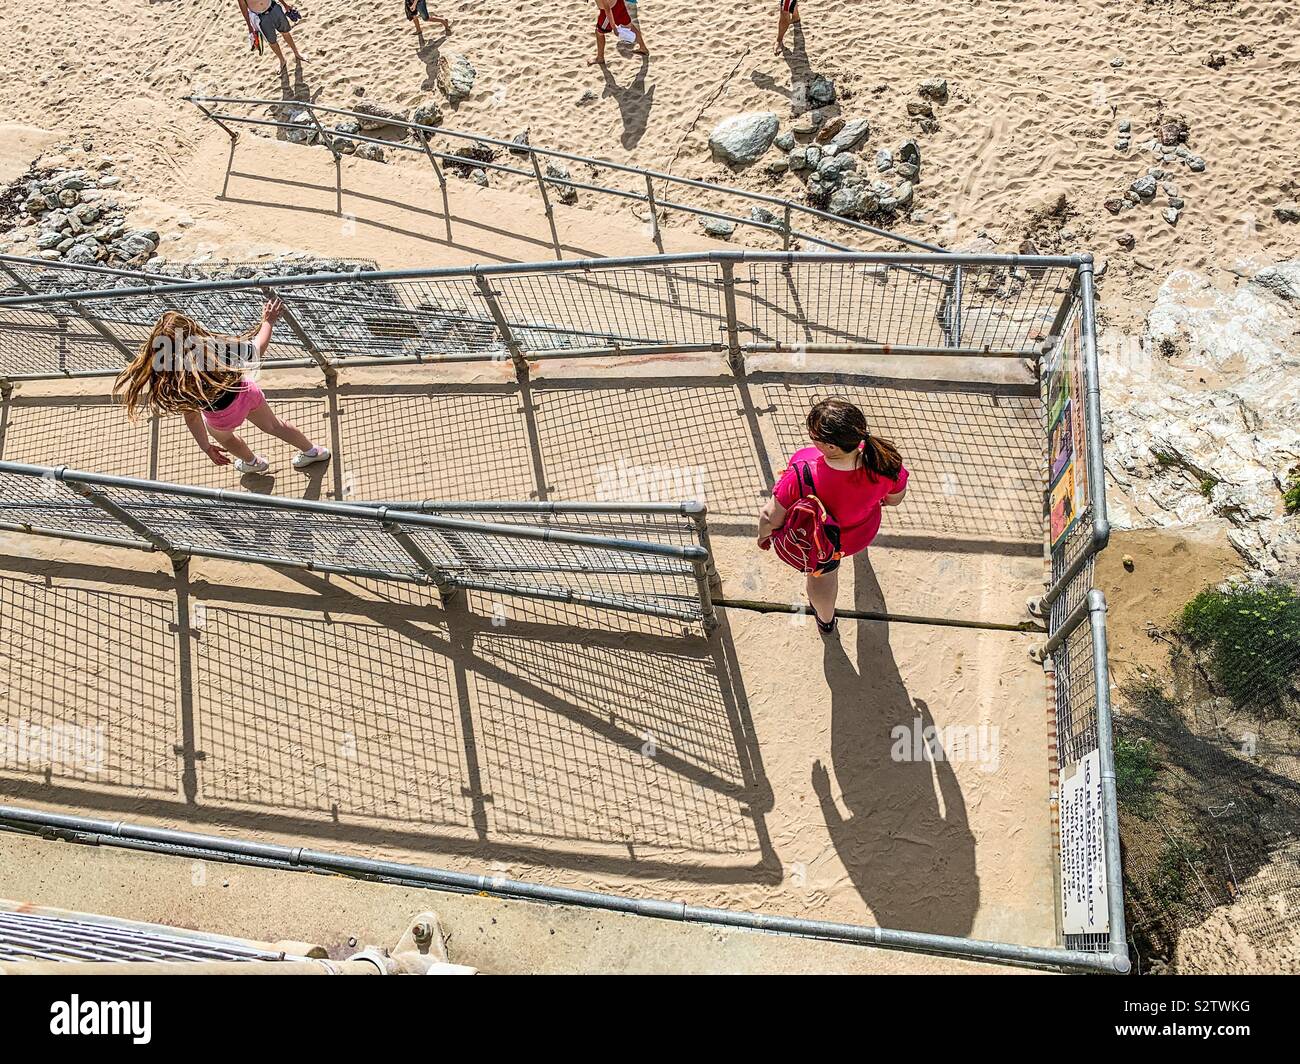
<point>1201,419</point>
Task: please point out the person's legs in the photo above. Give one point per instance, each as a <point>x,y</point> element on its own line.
<point>233,444</point>
<point>781,27</point>
<point>292,47</point>
<point>640,41</point>
<point>264,418</point>
<point>600,50</point>
<point>822,592</point>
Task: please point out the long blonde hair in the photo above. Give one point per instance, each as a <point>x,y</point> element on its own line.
<point>180,367</point>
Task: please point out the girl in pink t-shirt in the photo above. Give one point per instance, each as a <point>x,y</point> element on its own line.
<point>854,474</point>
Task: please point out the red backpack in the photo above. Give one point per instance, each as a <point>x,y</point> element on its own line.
<point>809,539</point>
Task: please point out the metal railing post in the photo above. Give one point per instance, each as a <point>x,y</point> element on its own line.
<point>443,581</point>
<point>233,134</point>
<point>699,514</point>
<point>442,178</point>
<point>326,139</point>
<point>735,357</point>
<point>303,338</point>
<point>954,321</point>
<point>785,229</point>
<point>708,614</point>
<point>546,203</point>
<point>1092,406</point>
<point>654,209</point>
<point>1106,760</point>
<point>503,326</point>
<point>103,502</point>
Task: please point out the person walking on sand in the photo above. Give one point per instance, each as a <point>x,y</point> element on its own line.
<point>268,18</point>
<point>789,14</point>
<point>614,15</point>
<point>184,369</point>
<point>845,478</point>
<point>419,9</point>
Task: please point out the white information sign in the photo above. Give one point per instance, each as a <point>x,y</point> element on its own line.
<point>1084,898</point>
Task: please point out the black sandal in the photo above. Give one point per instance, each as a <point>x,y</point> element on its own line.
<point>825,627</point>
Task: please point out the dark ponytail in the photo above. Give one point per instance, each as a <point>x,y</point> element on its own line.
<point>840,423</point>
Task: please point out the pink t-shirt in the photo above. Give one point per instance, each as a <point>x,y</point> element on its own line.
<point>851,495</point>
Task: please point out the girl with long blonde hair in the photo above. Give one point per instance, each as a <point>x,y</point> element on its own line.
<point>185,369</point>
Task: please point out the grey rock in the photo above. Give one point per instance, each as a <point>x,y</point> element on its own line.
<point>376,116</point>
<point>64,244</point>
<point>884,159</point>
<point>36,203</point>
<point>907,171</point>
<point>1178,202</point>
<point>1125,126</point>
<point>1287,211</point>
<point>920,109</point>
<point>1144,187</point>
<point>455,76</point>
<point>762,214</point>
<point>110,181</point>
<point>479,176</point>
<point>521,139</point>
<point>855,131</point>
<point>1170,215</point>
<point>1117,62</point>
<point>903,195</point>
<point>807,124</point>
<point>909,152</point>
<point>814,156</point>
<point>1126,240</point>
<point>587,96</point>
<point>49,239</point>
<point>718,227</point>
<point>832,167</point>
<point>798,158</point>
<point>829,149</point>
<point>785,141</point>
<point>567,195</point>
<point>372,152</point>
<point>853,201</point>
<point>83,254</point>
<point>1283,280</point>
<point>427,114</point>
<point>743,139</point>
<point>778,166</point>
<point>1196,164</point>
<point>934,89</point>
<point>821,91</point>
<point>69,197</point>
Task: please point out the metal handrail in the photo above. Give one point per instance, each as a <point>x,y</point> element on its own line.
<point>786,207</point>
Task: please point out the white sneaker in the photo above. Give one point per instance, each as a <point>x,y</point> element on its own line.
<point>305,458</point>
<point>257,465</point>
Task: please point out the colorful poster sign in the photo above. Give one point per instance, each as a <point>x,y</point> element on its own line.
<point>1067,441</point>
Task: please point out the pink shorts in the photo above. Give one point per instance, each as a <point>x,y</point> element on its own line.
<point>250,397</point>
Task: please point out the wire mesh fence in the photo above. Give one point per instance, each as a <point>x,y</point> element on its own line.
<point>58,321</point>
<point>1208,772</point>
<point>1091,891</point>
<point>647,559</point>
<point>38,936</point>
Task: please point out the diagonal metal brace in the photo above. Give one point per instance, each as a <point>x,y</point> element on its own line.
<point>123,516</point>
<point>447,586</point>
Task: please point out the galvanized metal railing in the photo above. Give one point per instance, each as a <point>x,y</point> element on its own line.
<point>733,303</point>
<point>782,210</point>
<point>639,558</point>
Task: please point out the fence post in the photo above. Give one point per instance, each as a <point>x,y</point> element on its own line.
<point>442,178</point>
<point>1106,760</point>
<point>296,328</point>
<point>446,585</point>
<point>698,513</point>
<point>97,498</point>
<point>94,323</point>
<point>654,208</point>
<point>233,134</point>
<point>326,139</point>
<point>735,358</point>
<point>954,320</point>
<point>708,613</point>
<point>503,327</point>
<point>785,230</point>
<point>546,202</point>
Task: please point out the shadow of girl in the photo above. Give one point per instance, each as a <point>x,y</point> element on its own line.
<point>906,842</point>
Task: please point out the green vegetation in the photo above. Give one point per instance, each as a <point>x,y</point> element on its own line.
<point>1174,872</point>
<point>1251,636</point>
<point>1291,494</point>
<point>1208,484</point>
<point>1135,776</point>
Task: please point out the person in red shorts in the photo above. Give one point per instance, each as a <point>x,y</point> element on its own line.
<point>854,474</point>
<point>614,15</point>
<point>789,14</point>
